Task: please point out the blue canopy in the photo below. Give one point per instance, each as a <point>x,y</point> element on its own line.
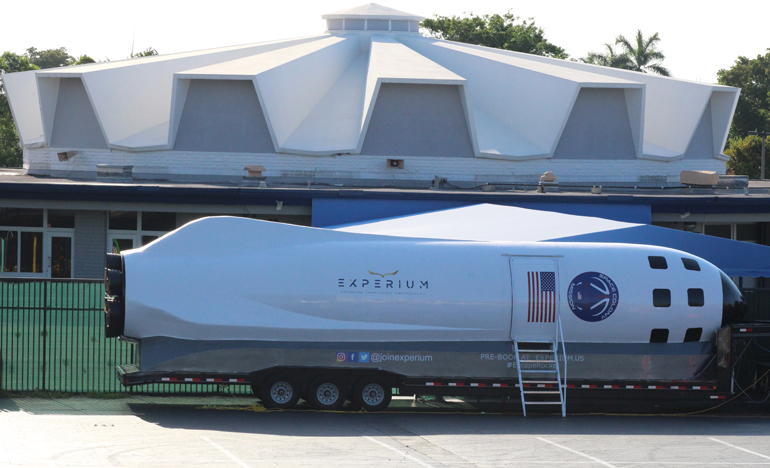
<point>733,257</point>
<point>505,223</point>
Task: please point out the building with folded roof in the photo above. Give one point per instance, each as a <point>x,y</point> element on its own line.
<point>290,130</point>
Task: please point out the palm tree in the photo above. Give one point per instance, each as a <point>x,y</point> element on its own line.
<point>609,59</point>
<point>644,56</point>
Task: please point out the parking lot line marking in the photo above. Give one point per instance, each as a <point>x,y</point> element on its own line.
<point>739,448</point>
<point>403,454</point>
<point>223,450</point>
<point>576,452</point>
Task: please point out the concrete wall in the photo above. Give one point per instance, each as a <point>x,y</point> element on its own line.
<point>75,124</point>
<point>223,115</point>
<point>418,120</point>
<point>598,127</point>
<point>90,244</point>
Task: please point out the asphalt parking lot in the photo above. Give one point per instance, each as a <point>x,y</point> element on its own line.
<point>231,432</point>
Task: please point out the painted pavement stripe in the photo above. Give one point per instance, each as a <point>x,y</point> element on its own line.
<point>223,450</point>
<point>403,454</point>
<point>739,448</point>
<point>576,452</point>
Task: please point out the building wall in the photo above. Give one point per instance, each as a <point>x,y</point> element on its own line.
<point>90,244</point>
<point>355,169</point>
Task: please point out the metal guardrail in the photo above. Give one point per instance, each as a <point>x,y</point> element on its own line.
<point>52,339</point>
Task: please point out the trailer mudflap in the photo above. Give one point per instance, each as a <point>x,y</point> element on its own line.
<point>130,375</point>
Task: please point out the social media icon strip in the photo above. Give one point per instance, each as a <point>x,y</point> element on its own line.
<point>363,357</point>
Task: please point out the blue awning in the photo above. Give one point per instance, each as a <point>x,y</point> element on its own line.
<point>733,257</point>
<point>505,223</point>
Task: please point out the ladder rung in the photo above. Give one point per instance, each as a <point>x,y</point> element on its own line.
<point>540,371</point>
<point>550,351</point>
<point>535,360</point>
<point>543,393</point>
<point>554,382</point>
<point>542,402</point>
<point>536,341</point>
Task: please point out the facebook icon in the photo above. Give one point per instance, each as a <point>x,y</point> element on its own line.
<point>352,357</point>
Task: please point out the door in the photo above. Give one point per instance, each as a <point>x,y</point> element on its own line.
<point>535,285</point>
<point>59,255</point>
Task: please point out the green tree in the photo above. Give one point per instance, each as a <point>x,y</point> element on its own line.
<point>83,59</point>
<point>500,32</point>
<point>50,58</point>
<point>753,109</point>
<point>10,152</point>
<point>746,155</point>
<point>610,58</point>
<point>643,54</point>
<point>149,52</point>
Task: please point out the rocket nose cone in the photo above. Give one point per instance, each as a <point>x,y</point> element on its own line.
<point>734,308</point>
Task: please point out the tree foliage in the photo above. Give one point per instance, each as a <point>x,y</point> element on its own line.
<point>149,52</point>
<point>610,58</point>
<point>500,32</point>
<point>83,59</point>
<point>753,109</point>
<point>10,152</point>
<point>50,58</point>
<point>746,156</point>
<point>643,54</point>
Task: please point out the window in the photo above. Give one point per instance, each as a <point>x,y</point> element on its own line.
<point>719,230</point>
<point>355,24</point>
<point>659,335</point>
<point>691,264</point>
<point>377,25</point>
<point>123,220</point>
<point>21,217</point>
<point>399,25</point>
<point>31,252</point>
<point>658,263</point>
<point>695,297</point>
<point>9,251</point>
<point>61,219</point>
<point>661,298</point>
<point>334,24</point>
<point>158,221</point>
<point>693,334</point>
<point>414,26</point>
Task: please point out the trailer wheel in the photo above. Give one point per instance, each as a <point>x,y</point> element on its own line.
<point>372,394</point>
<point>279,391</point>
<point>326,394</point>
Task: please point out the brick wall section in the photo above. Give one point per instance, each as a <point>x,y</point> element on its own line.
<point>90,243</point>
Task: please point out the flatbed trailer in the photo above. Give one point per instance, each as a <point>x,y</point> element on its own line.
<point>715,381</point>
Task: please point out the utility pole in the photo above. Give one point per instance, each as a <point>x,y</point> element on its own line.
<point>762,135</point>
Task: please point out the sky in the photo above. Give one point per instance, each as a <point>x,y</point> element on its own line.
<point>697,39</point>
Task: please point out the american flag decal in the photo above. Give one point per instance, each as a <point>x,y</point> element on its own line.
<point>542,296</point>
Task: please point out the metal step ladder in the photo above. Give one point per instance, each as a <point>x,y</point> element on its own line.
<point>541,381</point>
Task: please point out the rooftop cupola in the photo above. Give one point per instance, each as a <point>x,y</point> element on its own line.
<point>372,17</point>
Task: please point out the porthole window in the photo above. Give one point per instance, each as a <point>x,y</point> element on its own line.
<point>657,263</point>
<point>691,264</point>
<point>659,335</point>
<point>695,297</point>
<point>693,334</point>
<point>661,297</point>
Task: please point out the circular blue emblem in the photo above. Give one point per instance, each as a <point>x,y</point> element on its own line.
<point>592,296</point>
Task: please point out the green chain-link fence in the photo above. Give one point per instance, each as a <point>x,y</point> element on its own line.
<point>52,339</point>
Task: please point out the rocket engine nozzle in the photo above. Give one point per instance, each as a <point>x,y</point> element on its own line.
<point>114,299</point>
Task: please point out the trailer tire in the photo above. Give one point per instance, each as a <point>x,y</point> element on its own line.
<point>326,394</point>
<point>372,394</point>
<point>279,391</point>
